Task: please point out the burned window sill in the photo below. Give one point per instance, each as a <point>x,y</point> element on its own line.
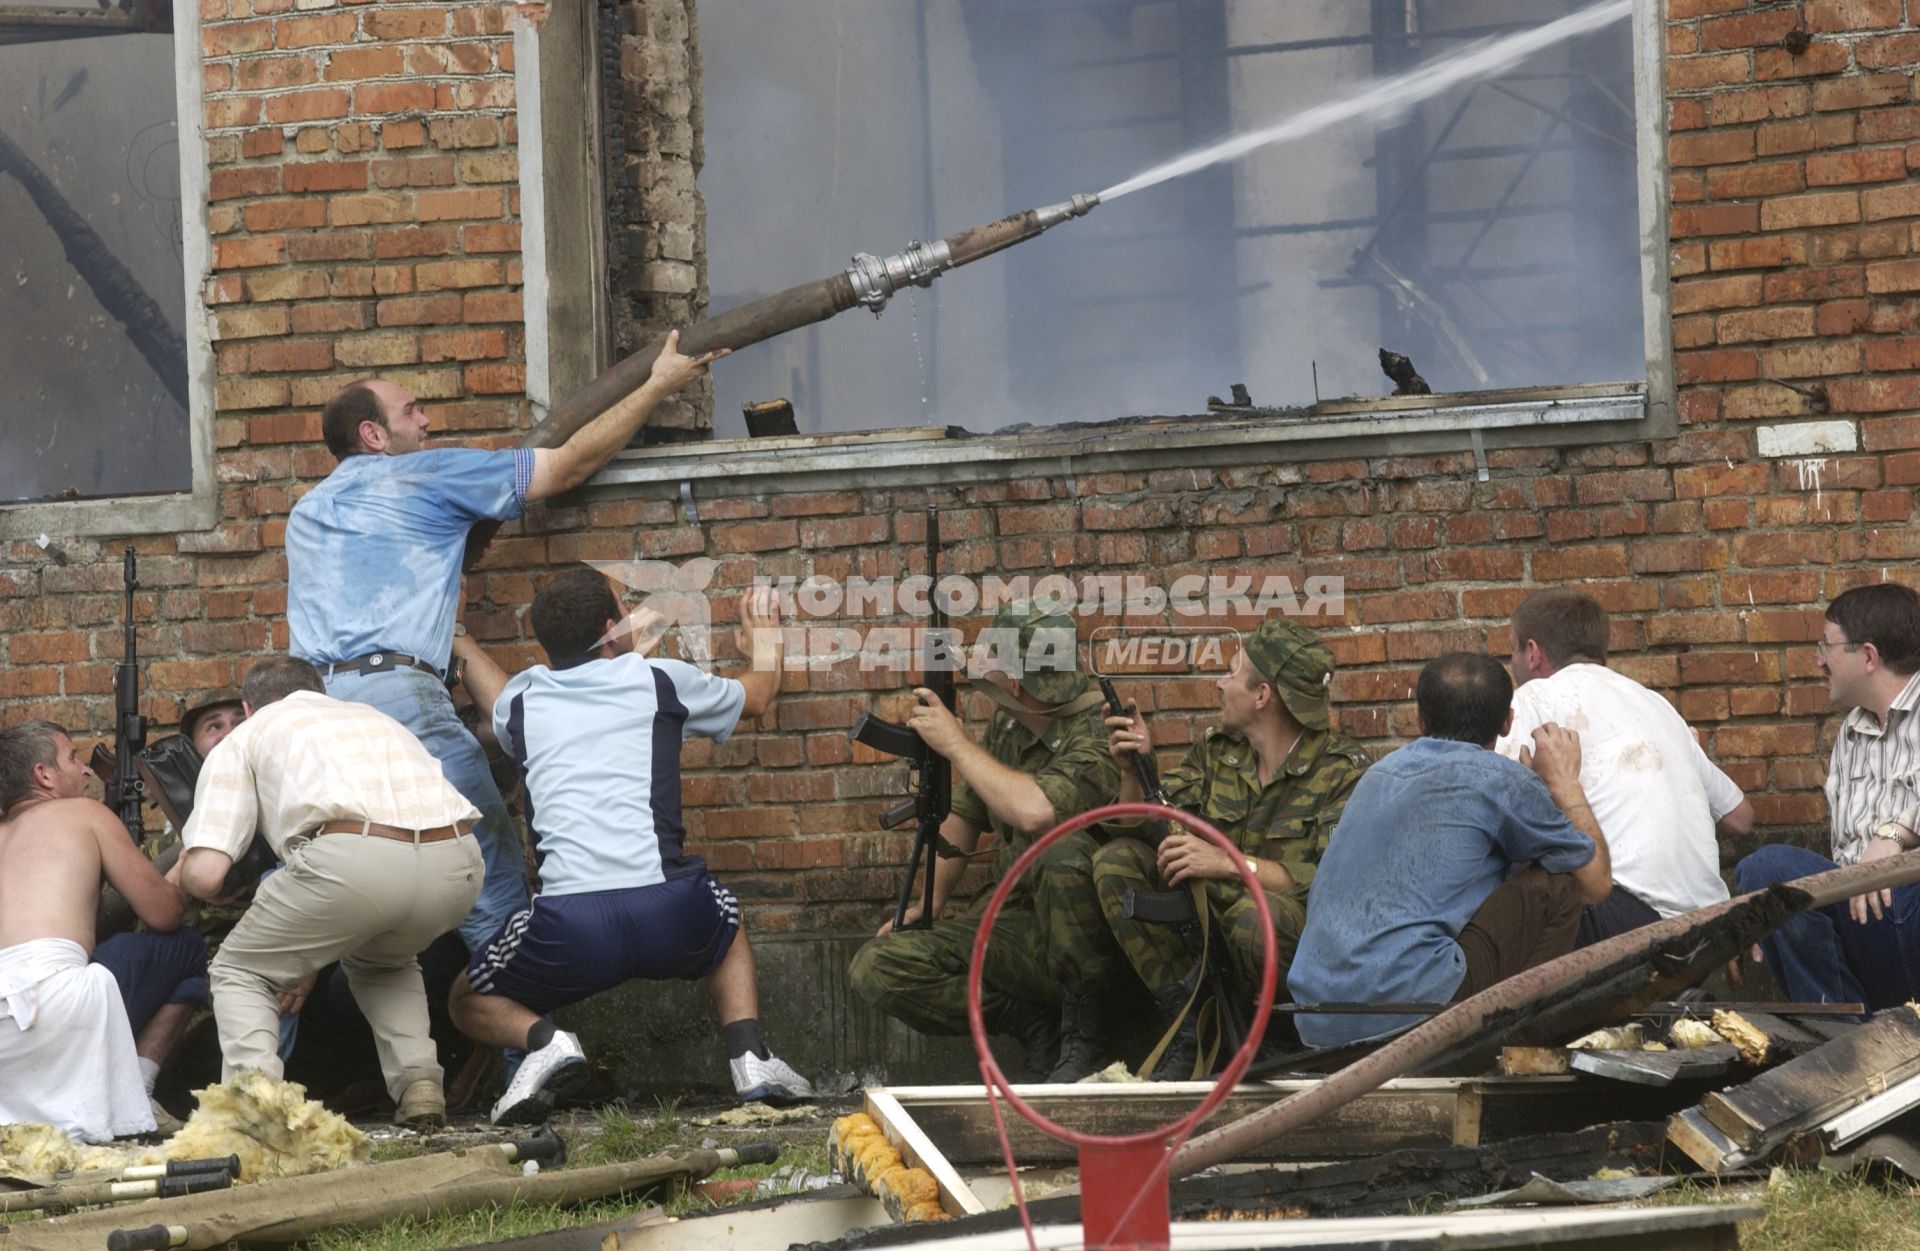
<point>1328,431</point>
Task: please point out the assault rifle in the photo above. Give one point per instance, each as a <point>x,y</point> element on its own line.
<point>126,793</point>
<point>1176,906</point>
<point>932,796</point>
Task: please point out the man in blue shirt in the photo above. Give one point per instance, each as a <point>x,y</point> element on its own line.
<point>373,573</point>
<point>598,733</point>
<point>1453,867</point>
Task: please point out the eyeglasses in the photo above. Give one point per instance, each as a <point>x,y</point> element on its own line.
<point>1826,649</point>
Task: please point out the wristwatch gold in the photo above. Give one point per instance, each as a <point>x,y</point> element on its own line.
<point>1895,832</point>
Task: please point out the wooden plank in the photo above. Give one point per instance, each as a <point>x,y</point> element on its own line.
<point>918,1150</point>
<point>1763,1113</point>
<point>1703,1143</point>
<point>1409,1112</point>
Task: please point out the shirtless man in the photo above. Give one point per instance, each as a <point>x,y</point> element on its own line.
<point>66,1050</point>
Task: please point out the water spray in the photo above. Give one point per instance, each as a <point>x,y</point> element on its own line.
<point>1383,98</point>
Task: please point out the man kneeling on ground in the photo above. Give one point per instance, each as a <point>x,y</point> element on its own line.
<point>598,732</point>
<point>1453,867</point>
<point>66,1046</point>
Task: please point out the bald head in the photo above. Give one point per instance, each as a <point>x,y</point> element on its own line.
<point>373,417</point>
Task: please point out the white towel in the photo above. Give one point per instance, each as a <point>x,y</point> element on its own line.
<point>66,1049</point>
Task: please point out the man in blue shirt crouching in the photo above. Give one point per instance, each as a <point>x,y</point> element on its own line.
<point>1453,867</point>
<point>598,732</point>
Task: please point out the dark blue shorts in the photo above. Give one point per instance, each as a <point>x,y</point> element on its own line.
<point>566,948</point>
<point>154,970</point>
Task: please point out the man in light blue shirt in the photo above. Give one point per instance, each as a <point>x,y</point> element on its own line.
<point>598,732</point>
<point>373,572</point>
<point>1453,867</point>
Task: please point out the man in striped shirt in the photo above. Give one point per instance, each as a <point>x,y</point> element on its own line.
<point>1866,950</point>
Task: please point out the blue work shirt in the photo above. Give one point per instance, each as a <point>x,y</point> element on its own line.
<point>373,552</point>
<point>600,743</point>
<point>1429,832</point>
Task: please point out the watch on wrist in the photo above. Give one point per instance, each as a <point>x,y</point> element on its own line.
<point>1894,832</point>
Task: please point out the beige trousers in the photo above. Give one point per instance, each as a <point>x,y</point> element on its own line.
<point>371,903</point>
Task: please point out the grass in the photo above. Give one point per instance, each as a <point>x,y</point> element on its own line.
<point>615,1135</point>
<point>1809,1210</point>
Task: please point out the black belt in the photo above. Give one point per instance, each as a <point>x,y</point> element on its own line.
<point>380,662</point>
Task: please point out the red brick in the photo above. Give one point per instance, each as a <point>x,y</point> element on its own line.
<point>413,23</point>
<point>454,275</point>
<point>328,318</point>
<point>274,73</point>
<point>326,176</point>
<point>1764,323</point>
<point>455,205</point>
<point>1738,291</point>
<point>1826,208</point>
<point>1862,91</point>
<point>419,171</point>
<point>1749,30</point>
<point>307,106</point>
<point>1714,147</point>
<point>492,237</point>
<point>1694,72</point>
<point>1823,57</point>
<point>290,356</point>
<point>271,215</point>
<point>1799,286</point>
<point>481,307</point>
<point>377,208</point>
<point>1842,317</point>
<point>1765,253</point>
<point>357,63</point>
<point>256,143</point>
<point>1731,108</point>
<point>227,38</point>
<point>309,32</point>
<point>1677,555</point>
<point>1691,221</point>
<point>1889,277</point>
<point>375,98</point>
<point>1882,125</point>
<point>1887,355</point>
<point>1811,360</point>
<point>1747,181</point>
<point>1847,15</point>
<point>247,180</point>
<point>249,253</point>
<point>463,345</point>
<point>419,311</point>
<point>1868,165</point>
<point>1874,395</point>
<point>1881,203</point>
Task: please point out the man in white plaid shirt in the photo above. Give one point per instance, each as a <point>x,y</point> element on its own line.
<point>379,857</point>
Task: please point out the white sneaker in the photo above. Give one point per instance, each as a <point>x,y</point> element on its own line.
<point>525,1102</point>
<point>771,1080</point>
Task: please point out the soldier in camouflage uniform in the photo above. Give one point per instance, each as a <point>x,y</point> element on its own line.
<point>1042,760</point>
<point>1273,777</point>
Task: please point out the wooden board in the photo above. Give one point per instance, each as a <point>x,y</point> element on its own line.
<point>1408,1112</point>
<point>1763,1113</point>
<point>919,1151</point>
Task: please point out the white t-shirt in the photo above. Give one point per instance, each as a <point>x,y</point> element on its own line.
<point>1653,791</point>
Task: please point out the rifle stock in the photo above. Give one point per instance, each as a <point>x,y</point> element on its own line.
<point>126,793</point>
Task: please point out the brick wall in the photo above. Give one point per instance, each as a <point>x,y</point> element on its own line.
<point>362,222</point>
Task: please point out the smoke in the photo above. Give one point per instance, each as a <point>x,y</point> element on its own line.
<point>1490,231</point>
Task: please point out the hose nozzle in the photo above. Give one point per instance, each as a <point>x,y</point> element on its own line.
<point>1054,214</point>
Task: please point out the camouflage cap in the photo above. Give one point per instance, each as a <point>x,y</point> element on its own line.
<point>1298,664</point>
<point>1049,667</point>
<point>191,717</point>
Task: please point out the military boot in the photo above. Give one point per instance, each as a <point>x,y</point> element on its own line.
<point>1036,1027</point>
<point>1183,1049</point>
<point>1083,1047</point>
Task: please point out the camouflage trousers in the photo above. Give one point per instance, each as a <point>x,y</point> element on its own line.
<point>1157,951</point>
<point>1049,930</point>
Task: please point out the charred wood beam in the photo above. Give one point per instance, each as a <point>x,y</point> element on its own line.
<point>1560,999</point>
<point>111,282</point>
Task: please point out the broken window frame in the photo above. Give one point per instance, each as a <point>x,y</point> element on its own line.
<point>198,507</point>
<point>1637,411</point>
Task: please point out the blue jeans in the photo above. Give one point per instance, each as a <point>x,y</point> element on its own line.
<point>419,701</point>
<point>154,970</point>
<point>1825,956</point>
